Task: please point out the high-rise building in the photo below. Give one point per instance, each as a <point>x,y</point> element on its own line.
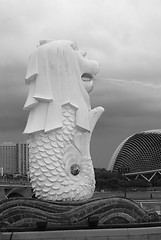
<point>14,158</point>
<point>23,158</point>
<point>8,157</point>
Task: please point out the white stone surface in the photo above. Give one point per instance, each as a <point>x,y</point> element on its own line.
<point>60,121</point>
<point>152,233</point>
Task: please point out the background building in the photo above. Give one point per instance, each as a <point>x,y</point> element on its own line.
<point>14,158</point>
<point>8,157</point>
<point>139,156</point>
<point>138,153</point>
<point>23,158</point>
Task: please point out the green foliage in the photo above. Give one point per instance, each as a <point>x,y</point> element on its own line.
<point>116,180</point>
<point>124,183</point>
<point>104,174</point>
<point>139,183</point>
<point>159,183</point>
<point>113,183</point>
<point>106,179</point>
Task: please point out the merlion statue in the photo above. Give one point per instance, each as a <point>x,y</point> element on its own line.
<point>60,121</point>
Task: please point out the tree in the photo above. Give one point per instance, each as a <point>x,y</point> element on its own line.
<point>159,183</point>
<point>139,183</point>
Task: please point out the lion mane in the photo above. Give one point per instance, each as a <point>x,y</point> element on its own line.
<point>54,77</point>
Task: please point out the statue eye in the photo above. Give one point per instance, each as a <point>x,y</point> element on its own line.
<point>75,169</point>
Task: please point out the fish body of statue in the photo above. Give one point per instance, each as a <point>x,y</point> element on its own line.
<point>60,121</point>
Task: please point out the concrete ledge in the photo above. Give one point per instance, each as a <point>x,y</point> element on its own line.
<point>153,233</point>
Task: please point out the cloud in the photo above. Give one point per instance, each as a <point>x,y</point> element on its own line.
<point>123,36</point>
<point>12,97</point>
<point>130,107</point>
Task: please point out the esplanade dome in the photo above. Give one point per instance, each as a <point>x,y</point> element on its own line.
<point>138,153</point>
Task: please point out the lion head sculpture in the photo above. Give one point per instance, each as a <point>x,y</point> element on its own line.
<point>54,74</point>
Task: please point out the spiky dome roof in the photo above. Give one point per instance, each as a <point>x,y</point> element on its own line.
<point>139,152</point>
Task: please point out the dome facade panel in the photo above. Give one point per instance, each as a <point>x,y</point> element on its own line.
<point>140,152</point>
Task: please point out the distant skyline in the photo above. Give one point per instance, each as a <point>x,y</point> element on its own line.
<point>122,35</point>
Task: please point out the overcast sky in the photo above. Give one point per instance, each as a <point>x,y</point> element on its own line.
<point>124,36</point>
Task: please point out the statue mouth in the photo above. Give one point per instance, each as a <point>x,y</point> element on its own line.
<point>87,80</point>
<point>86,77</point>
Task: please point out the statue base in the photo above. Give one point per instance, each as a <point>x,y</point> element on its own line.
<point>24,214</point>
